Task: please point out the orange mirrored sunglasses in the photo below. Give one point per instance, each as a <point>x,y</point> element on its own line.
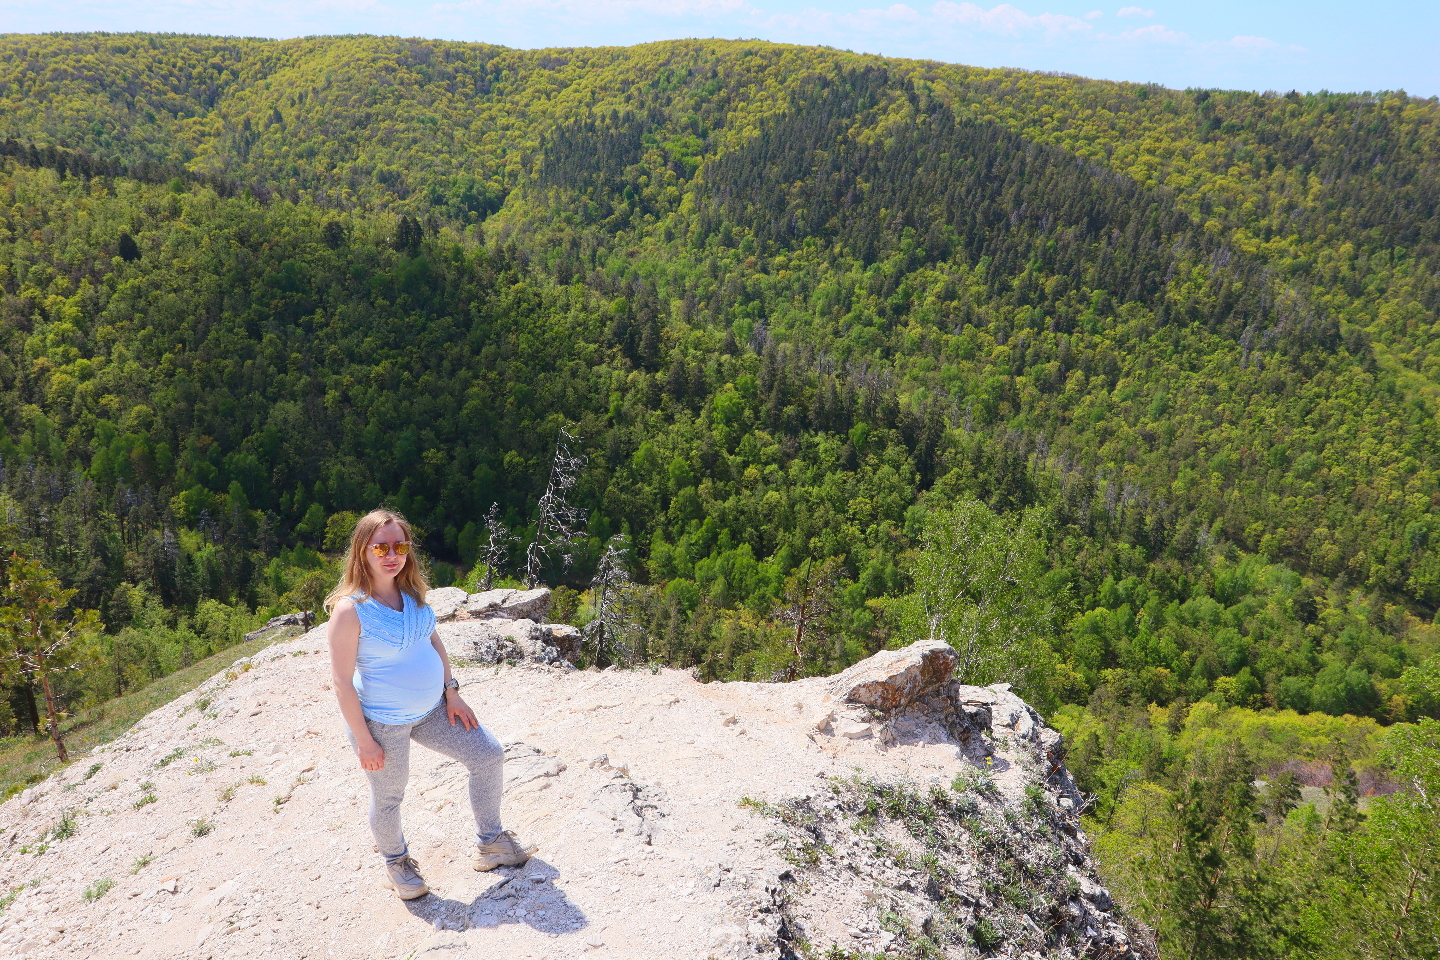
<point>402,547</point>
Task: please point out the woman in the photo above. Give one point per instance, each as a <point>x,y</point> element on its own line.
<point>393,681</point>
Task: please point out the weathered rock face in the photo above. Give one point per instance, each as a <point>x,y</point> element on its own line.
<point>675,819</point>
<point>446,601</point>
<point>894,678</point>
<point>1014,784</point>
<point>500,641</point>
<point>565,639</point>
<point>507,604</point>
<point>292,623</point>
<point>502,626</point>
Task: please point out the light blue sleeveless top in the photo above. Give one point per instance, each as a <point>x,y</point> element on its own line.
<point>398,673</point>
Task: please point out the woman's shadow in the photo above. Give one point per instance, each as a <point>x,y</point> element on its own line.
<point>524,894</point>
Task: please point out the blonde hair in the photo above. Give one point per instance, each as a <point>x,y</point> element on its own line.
<point>355,576</point>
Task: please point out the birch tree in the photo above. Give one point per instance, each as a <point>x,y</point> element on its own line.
<point>976,581</point>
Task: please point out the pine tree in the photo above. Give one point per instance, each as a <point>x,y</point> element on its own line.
<point>1220,903</point>
<point>809,607</point>
<point>41,641</point>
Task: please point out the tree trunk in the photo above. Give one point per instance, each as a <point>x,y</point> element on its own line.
<point>54,723</point>
<point>29,690</point>
<point>797,644</point>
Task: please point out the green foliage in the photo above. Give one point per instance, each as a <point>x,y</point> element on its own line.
<point>97,890</point>
<point>1172,353</point>
<point>40,639</point>
<point>974,582</point>
<point>1217,902</point>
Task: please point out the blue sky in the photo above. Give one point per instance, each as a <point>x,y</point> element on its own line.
<point>1384,45</point>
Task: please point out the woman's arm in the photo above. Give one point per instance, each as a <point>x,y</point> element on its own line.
<point>344,637</point>
<point>455,708</point>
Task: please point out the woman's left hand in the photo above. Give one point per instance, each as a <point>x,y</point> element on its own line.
<point>457,709</point>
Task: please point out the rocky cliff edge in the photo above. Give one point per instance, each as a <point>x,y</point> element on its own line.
<point>886,811</point>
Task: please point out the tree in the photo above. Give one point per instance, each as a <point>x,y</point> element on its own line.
<point>1219,902</point>
<point>308,595</point>
<point>41,641</point>
<point>496,552</point>
<point>809,606</point>
<point>333,234</point>
<point>610,632</point>
<point>561,522</point>
<point>977,587</point>
<point>408,235</point>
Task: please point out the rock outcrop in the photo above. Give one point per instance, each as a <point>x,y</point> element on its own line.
<point>675,819</point>
<point>505,604</point>
<point>501,641</point>
<point>503,626</point>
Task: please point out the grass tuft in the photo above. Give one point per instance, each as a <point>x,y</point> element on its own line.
<point>97,890</point>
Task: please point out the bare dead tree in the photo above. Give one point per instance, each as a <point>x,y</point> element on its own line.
<point>611,633</point>
<point>496,552</point>
<point>560,523</point>
<point>809,607</point>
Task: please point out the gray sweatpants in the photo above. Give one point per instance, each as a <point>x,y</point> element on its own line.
<point>477,749</point>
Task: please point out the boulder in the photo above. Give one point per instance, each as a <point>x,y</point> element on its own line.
<point>446,601</point>
<point>278,625</point>
<point>566,639</point>
<point>895,678</point>
<point>1007,716</point>
<point>497,641</point>
<point>508,605</point>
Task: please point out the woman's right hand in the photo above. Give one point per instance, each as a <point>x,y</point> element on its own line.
<point>372,756</point>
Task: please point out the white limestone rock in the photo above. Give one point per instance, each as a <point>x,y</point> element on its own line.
<point>446,601</point>
<point>508,604</point>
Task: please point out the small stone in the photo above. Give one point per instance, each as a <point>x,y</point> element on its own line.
<point>851,729</point>
<point>595,940</point>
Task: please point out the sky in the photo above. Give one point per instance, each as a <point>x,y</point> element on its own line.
<point>1256,45</point>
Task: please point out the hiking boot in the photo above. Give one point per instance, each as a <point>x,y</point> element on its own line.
<point>403,876</point>
<point>504,851</point>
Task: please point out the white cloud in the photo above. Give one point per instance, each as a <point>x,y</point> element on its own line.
<point>601,10</point>
<point>1007,20</point>
<point>1094,15</point>
<point>1134,12</point>
<point>1156,34</point>
<point>895,13</point>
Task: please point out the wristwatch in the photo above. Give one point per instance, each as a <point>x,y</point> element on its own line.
<point>452,684</point>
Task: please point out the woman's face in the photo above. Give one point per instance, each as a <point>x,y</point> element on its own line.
<point>388,566</point>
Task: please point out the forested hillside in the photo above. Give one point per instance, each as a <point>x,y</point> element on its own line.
<point>794,304</point>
